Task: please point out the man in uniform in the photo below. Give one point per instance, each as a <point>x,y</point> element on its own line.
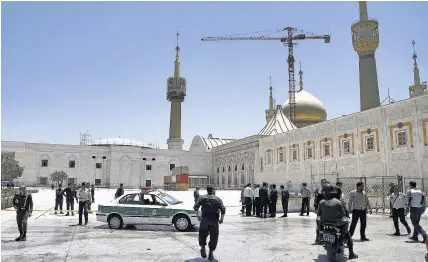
<point>59,199</point>
<point>70,195</point>
<point>416,205</point>
<point>350,243</point>
<point>23,204</point>
<point>119,191</point>
<point>331,210</point>
<point>285,196</point>
<point>211,206</point>
<point>84,196</point>
<point>264,199</point>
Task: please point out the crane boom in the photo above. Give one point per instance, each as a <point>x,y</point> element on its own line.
<point>287,41</point>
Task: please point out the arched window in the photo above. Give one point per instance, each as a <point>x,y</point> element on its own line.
<point>218,170</point>
<point>230,169</point>
<point>223,169</point>
<point>243,167</point>
<point>236,167</point>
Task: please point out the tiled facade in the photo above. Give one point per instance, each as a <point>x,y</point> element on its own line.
<point>384,141</point>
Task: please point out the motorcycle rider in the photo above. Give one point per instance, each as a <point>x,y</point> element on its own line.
<point>350,243</point>
<point>331,210</point>
<point>318,197</point>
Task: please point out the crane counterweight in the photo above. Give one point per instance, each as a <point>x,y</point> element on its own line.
<point>287,41</point>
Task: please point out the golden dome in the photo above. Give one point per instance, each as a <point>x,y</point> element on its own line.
<point>309,110</point>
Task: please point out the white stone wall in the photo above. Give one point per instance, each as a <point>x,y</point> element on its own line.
<point>119,164</point>
<point>381,124</point>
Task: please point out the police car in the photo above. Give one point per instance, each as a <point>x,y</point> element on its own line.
<point>147,207</point>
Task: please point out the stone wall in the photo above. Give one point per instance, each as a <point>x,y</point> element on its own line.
<point>132,166</point>
<point>384,141</point>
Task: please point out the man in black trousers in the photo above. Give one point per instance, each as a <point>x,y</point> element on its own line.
<point>257,200</point>
<point>264,199</point>
<point>285,196</point>
<point>360,206</point>
<point>248,195</point>
<point>273,199</point>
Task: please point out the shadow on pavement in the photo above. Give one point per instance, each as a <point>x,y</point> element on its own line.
<point>323,258</point>
<point>199,259</point>
<point>155,228</point>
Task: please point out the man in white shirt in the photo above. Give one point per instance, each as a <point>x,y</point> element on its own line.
<point>417,206</point>
<point>398,202</point>
<point>248,194</point>
<point>257,200</point>
<point>306,198</point>
<point>84,196</point>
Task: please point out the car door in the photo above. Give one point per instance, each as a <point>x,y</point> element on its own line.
<point>131,209</point>
<point>156,212</point>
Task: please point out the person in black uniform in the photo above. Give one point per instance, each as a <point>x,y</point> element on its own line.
<point>273,200</point>
<point>59,199</point>
<point>119,191</point>
<point>318,197</point>
<point>23,204</point>
<point>350,243</point>
<point>285,196</point>
<point>264,199</point>
<point>211,206</point>
<point>70,195</point>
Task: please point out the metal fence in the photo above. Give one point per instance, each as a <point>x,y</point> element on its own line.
<point>421,183</point>
<point>316,180</point>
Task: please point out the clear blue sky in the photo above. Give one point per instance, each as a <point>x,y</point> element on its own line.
<point>68,67</point>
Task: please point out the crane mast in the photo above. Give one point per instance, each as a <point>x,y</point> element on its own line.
<point>287,41</point>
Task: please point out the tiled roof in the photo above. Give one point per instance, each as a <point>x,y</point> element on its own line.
<point>278,124</point>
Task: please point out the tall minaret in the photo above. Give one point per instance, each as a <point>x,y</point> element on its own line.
<point>269,112</point>
<point>417,88</point>
<point>175,94</point>
<point>365,40</point>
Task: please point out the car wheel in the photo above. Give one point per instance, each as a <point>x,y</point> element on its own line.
<point>182,223</point>
<point>115,222</point>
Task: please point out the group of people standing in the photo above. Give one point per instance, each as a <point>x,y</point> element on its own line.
<point>84,196</point>
<point>261,201</point>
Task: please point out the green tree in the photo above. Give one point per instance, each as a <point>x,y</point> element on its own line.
<point>58,177</point>
<point>10,168</point>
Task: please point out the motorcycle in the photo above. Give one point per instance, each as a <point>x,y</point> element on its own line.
<point>333,243</point>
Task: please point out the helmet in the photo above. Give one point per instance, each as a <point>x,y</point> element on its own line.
<point>328,190</point>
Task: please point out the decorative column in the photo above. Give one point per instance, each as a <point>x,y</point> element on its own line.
<point>365,40</point>
<point>175,94</point>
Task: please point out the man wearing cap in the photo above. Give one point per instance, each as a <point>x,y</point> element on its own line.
<point>211,206</point>
<point>23,204</point>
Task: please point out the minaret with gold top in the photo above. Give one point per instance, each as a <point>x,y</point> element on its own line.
<point>269,112</point>
<point>417,88</point>
<point>365,40</point>
<point>176,92</point>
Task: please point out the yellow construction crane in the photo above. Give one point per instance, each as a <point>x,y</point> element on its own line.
<point>293,34</point>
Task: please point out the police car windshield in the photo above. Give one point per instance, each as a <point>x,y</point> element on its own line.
<point>170,199</point>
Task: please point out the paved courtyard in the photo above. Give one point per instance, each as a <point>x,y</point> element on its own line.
<point>50,238</point>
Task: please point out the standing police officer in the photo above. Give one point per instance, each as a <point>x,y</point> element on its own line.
<point>59,199</point>
<point>211,206</point>
<point>264,199</point>
<point>23,204</point>
<point>70,195</point>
